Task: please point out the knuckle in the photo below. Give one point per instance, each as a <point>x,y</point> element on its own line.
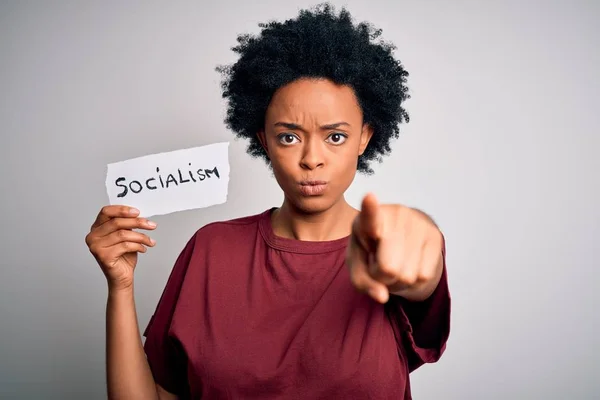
<point>409,278</point>
<point>122,234</point>
<point>429,272</point>
<point>90,241</point>
<point>386,269</point>
<point>97,251</point>
<point>113,224</point>
<point>396,210</point>
<point>426,276</point>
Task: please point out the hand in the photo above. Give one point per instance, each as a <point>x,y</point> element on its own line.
<point>394,250</point>
<point>115,245</point>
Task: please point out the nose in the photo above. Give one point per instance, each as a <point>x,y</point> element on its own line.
<point>312,156</point>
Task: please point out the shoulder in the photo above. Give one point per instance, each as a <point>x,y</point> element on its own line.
<point>218,238</point>
<point>230,229</point>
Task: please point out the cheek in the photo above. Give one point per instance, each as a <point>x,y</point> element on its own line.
<point>282,158</point>
<point>345,169</point>
<point>348,158</point>
<point>283,167</point>
<point>348,175</point>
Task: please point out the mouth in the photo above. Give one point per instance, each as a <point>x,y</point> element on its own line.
<point>312,188</point>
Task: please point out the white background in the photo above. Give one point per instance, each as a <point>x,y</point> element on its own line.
<point>502,150</point>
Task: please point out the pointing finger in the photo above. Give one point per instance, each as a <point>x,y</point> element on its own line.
<point>370,218</point>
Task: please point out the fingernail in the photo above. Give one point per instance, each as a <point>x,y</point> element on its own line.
<point>151,224</point>
<point>152,241</point>
<point>134,211</point>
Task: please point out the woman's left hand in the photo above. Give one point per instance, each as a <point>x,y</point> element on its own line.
<point>394,250</point>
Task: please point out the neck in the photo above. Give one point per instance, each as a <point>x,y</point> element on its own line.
<point>334,223</point>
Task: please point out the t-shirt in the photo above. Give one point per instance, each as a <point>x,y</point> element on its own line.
<point>246,314</point>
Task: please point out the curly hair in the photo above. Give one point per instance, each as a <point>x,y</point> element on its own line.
<point>317,44</point>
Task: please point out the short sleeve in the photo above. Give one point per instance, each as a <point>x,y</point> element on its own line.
<point>165,356</point>
<point>423,327</point>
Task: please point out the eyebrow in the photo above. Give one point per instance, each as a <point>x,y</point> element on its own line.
<point>289,125</point>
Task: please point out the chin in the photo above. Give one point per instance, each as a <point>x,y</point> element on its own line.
<point>312,204</point>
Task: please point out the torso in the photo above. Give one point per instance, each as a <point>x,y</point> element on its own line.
<point>270,318</point>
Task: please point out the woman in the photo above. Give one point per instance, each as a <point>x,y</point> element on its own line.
<point>311,300</point>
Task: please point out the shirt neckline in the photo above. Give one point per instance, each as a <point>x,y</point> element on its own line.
<point>295,245</point>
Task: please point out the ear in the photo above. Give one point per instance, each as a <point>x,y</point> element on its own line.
<point>365,136</point>
<point>262,138</point>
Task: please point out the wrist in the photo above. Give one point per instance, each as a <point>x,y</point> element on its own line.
<point>116,290</point>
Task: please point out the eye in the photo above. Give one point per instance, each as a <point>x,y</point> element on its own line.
<point>337,138</point>
<point>287,138</point>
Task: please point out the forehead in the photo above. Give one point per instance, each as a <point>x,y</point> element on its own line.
<point>320,100</point>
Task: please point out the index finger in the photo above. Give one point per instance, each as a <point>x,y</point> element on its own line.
<point>114,211</point>
<point>370,218</point>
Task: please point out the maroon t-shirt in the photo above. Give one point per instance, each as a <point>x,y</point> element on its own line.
<point>250,315</point>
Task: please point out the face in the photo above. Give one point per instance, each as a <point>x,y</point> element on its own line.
<point>314,135</point>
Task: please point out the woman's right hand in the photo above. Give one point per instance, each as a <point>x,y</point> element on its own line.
<point>115,245</point>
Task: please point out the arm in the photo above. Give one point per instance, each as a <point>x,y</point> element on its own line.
<point>399,251</point>
<point>423,327</point>
<point>128,372</point>
<point>115,245</point>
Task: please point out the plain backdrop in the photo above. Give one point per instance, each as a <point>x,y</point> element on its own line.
<point>502,150</point>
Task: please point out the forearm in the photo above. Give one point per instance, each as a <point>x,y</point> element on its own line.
<point>128,372</point>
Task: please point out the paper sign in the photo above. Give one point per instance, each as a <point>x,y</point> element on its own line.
<point>164,183</point>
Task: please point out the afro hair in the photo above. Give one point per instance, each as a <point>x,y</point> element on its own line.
<point>317,44</point>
